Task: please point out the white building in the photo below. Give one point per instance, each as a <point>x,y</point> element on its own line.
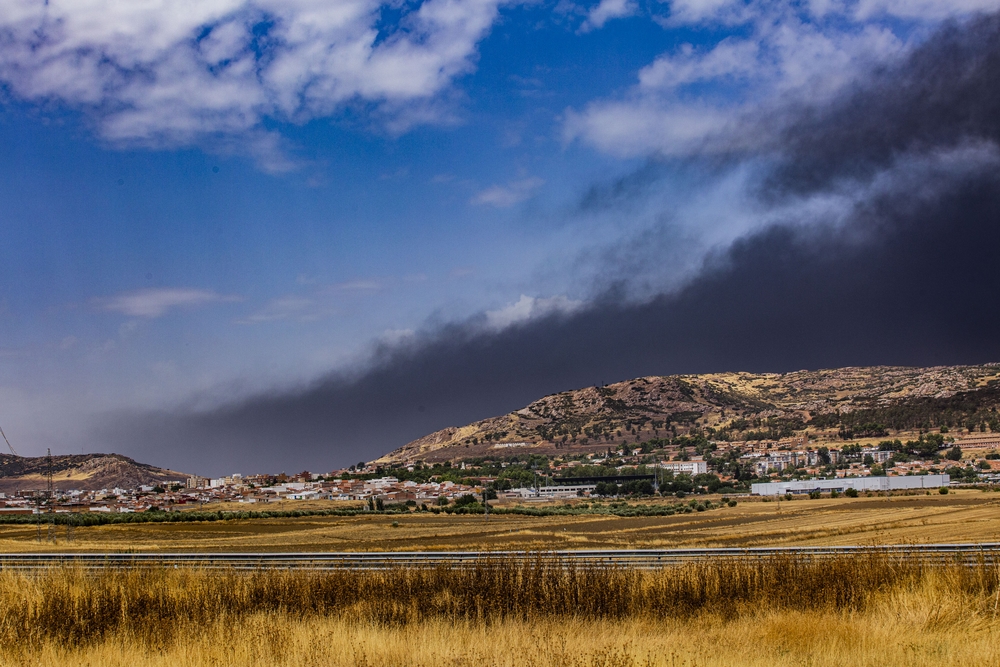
<point>568,491</point>
<point>689,467</point>
<point>844,483</point>
<point>878,455</point>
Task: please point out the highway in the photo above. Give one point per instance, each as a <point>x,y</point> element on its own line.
<point>970,554</point>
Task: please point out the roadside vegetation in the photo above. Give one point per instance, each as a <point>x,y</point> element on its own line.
<point>863,610</point>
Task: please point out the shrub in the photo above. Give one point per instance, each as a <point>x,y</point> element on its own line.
<point>732,503</point>
<point>851,493</point>
<point>943,490</point>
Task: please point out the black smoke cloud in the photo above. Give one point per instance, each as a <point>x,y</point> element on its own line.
<point>909,278</point>
<point>945,95</point>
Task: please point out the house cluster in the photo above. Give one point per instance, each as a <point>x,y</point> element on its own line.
<point>766,458</point>
<point>196,492</point>
<point>139,499</point>
<point>773,459</point>
<point>386,489</point>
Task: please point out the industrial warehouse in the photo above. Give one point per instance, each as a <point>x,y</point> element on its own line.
<point>856,483</point>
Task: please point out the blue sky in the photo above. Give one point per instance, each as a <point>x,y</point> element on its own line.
<point>207,199</point>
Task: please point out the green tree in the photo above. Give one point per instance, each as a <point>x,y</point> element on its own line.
<point>954,454</point>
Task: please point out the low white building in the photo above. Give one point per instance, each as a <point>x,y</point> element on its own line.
<point>567,491</point>
<point>857,483</point>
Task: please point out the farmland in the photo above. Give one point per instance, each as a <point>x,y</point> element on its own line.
<point>961,516</point>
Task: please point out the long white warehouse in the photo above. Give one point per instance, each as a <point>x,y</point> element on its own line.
<point>844,483</point>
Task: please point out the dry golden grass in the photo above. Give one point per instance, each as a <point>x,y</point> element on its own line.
<point>772,639</point>
<point>964,516</point>
<point>859,612</point>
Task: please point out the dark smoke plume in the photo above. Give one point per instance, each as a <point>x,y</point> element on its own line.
<point>908,278</point>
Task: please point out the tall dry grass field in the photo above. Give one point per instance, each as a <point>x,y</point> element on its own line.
<point>868,610</point>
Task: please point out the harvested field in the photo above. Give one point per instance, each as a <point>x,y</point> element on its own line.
<point>963,516</point>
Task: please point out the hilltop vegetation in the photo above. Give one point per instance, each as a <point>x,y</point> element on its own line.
<point>828,405</point>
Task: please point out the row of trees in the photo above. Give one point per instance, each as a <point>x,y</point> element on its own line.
<point>672,485</point>
<point>974,410</point>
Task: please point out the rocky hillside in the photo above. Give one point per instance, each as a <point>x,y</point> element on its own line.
<point>838,404</point>
<point>80,471</point>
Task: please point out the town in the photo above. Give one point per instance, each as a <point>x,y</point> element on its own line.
<point>678,467</point>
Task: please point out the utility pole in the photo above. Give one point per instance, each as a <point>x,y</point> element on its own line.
<point>49,492</point>
<point>48,471</point>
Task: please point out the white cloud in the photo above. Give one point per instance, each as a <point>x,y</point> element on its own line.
<point>283,308</point>
<point>700,100</point>
<point>528,308</point>
<point>730,58</point>
<point>637,127</point>
<point>606,10</point>
<point>922,9</point>
<point>152,303</point>
<point>503,196</point>
<point>702,11</point>
<point>356,286</point>
<point>158,71</point>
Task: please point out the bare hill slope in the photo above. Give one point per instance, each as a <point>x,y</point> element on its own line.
<point>840,403</point>
<point>80,471</point>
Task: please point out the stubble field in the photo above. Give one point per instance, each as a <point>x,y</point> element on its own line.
<point>962,516</point>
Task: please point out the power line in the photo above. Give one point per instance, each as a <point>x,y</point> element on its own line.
<point>9,446</point>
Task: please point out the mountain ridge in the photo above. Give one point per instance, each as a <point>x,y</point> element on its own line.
<point>838,403</point>
<point>80,471</point>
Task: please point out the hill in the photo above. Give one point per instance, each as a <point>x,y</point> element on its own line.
<point>80,471</point>
<point>835,405</point>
